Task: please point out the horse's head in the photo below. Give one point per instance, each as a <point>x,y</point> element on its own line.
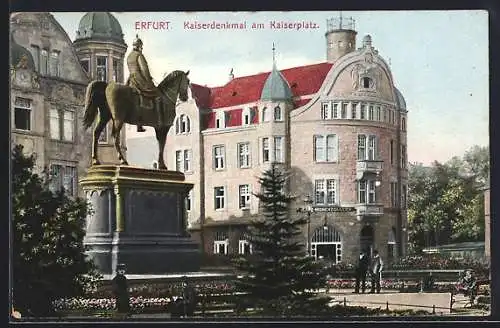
<point>177,82</point>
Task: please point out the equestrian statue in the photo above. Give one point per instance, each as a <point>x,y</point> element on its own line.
<point>137,102</point>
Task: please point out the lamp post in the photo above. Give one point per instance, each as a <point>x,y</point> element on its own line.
<point>308,210</point>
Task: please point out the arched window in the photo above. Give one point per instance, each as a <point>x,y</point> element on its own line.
<point>366,82</point>
<point>182,124</point>
<point>246,117</point>
<point>326,243</point>
<point>221,242</point>
<point>265,114</point>
<point>278,113</point>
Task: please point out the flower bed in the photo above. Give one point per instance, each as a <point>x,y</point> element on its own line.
<point>137,304</point>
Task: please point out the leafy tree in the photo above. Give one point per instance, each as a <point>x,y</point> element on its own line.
<point>48,257</point>
<point>445,201</point>
<point>279,278</point>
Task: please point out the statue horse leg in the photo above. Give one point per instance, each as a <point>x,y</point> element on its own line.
<point>117,127</point>
<point>102,120</point>
<point>161,136</point>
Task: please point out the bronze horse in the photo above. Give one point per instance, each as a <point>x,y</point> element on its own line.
<point>119,103</point>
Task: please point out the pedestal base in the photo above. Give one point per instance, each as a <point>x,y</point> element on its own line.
<point>138,220</point>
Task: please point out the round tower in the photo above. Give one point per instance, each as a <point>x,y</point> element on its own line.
<point>100,46</point>
<point>340,37</point>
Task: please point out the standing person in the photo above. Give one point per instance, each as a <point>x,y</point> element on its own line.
<point>188,297</point>
<point>361,270</point>
<point>376,271</point>
<point>120,290</point>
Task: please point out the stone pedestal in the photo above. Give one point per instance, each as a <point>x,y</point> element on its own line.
<point>138,219</point>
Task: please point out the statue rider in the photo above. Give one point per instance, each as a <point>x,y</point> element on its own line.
<point>140,78</point>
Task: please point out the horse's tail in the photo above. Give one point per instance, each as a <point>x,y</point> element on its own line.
<point>94,99</point>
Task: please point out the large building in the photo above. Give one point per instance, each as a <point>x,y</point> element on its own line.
<point>49,77</point>
<point>338,127</point>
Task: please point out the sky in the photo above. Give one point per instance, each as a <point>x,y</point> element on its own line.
<point>439,61</point>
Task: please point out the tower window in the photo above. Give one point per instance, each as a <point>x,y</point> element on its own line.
<point>366,82</point>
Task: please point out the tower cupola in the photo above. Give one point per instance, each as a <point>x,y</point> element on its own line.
<point>340,37</point>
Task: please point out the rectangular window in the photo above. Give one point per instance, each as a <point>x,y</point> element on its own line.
<point>116,70</point>
<point>278,150</point>
<point>219,193</point>
<point>44,61</point>
<point>22,114</point>
<point>335,111</point>
<point>325,192</point>
<point>63,177</point>
<point>325,111</point>
<point>325,148</point>
<point>54,63</point>
<point>370,113</point>
<point>362,192</point>
<point>403,196</point>
<point>85,65</point>
<point>189,201</point>
<point>54,124</point>
<point>362,112</point>
<point>403,156</point>
<point>371,192</point>
<point>391,151</point>
<point>265,150</point>
<point>178,160</point>
<point>244,247</point>
<point>344,110</point>
<point>353,110</point>
<point>219,157</point>
<point>68,125</point>
<point>372,141</point>
<point>187,160</point>
<point>244,191</point>
<point>102,68</point>
<point>35,50</point>
<point>220,247</point>
<point>378,113</point>
<point>244,155</point>
<point>361,147</point>
<point>394,198</point>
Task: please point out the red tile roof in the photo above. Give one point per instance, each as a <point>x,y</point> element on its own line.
<point>303,80</point>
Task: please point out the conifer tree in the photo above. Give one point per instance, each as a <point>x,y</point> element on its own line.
<point>48,257</point>
<point>279,279</point>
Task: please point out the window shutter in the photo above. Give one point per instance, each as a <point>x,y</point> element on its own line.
<point>314,147</point>
<point>227,118</point>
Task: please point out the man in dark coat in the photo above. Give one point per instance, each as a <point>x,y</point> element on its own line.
<point>188,297</point>
<point>120,290</point>
<point>361,270</point>
<point>140,77</point>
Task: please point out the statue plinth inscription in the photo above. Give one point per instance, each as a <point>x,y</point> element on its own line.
<point>138,219</point>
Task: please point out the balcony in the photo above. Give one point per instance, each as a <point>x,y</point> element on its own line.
<point>364,167</point>
<point>369,210</point>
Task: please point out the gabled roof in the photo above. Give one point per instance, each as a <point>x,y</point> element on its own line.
<point>303,80</point>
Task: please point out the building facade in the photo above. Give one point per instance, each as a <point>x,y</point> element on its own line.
<point>338,127</point>
<point>47,94</point>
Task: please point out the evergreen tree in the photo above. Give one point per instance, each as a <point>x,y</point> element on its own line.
<point>48,260</point>
<point>279,279</point>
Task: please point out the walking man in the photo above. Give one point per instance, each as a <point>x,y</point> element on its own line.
<point>361,270</point>
<point>376,272</point>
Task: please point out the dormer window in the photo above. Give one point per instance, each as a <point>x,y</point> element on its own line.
<point>246,117</point>
<point>278,113</point>
<point>220,120</point>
